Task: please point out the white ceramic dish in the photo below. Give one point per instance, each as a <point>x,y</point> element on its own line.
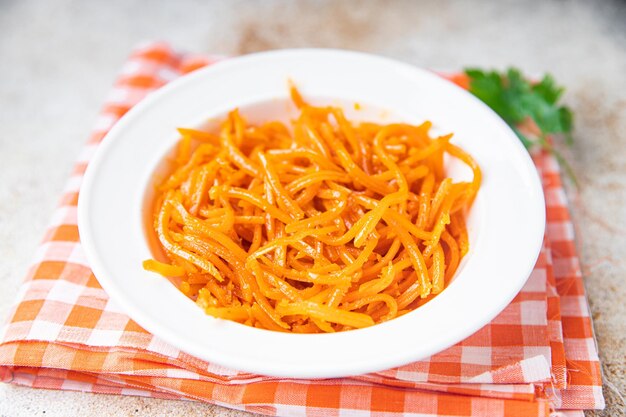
<point>506,224</point>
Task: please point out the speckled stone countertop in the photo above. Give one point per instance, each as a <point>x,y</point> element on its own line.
<point>59,58</point>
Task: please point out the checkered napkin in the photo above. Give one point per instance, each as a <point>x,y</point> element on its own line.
<point>538,356</point>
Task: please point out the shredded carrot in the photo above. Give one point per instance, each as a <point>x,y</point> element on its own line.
<point>323,226</point>
<point>162,268</point>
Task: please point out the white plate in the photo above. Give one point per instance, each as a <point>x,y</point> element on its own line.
<point>506,224</point>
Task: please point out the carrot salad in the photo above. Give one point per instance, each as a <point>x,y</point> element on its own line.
<point>319,225</point>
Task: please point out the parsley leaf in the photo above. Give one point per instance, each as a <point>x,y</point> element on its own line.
<point>516,99</point>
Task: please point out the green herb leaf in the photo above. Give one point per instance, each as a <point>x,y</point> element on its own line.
<point>548,90</point>
<point>516,99</point>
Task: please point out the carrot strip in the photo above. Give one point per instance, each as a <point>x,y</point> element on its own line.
<point>162,268</point>
<point>322,312</point>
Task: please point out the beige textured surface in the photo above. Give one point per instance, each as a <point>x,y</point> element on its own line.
<point>59,58</point>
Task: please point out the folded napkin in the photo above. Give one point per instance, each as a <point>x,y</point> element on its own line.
<point>538,356</point>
